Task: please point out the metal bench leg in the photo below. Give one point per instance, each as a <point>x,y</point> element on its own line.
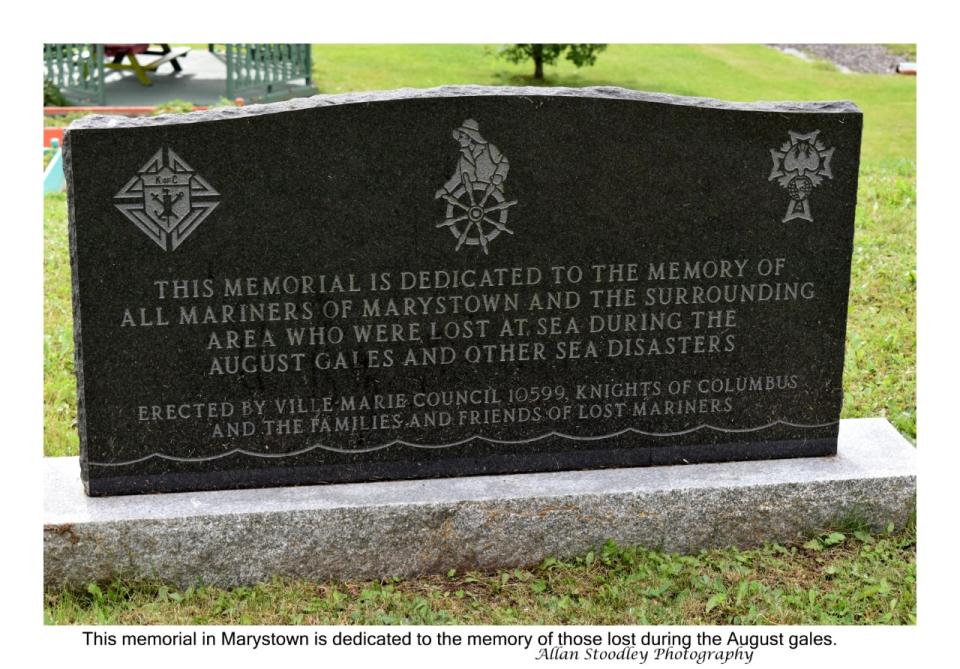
<point>164,50</point>
<point>138,70</point>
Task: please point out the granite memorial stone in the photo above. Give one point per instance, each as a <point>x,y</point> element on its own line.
<point>457,281</point>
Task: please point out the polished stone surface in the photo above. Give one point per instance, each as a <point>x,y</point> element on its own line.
<point>458,281</point>
<point>369,530</point>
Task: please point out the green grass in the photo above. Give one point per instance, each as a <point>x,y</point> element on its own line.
<point>731,72</point>
<point>838,578</point>
<point>880,359</point>
<point>62,120</point>
<point>59,383</point>
<point>905,51</point>
<point>860,579</point>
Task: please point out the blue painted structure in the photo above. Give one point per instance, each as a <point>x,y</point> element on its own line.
<point>53,178</point>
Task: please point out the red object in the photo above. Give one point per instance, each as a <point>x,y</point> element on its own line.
<point>52,133</point>
<point>113,50</point>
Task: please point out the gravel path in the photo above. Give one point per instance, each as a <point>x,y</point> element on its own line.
<point>871,58</point>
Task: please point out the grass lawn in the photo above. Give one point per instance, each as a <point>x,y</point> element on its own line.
<point>849,577</point>
<point>731,72</point>
<point>839,578</point>
<point>905,51</point>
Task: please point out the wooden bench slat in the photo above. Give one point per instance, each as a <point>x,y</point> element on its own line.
<point>174,53</point>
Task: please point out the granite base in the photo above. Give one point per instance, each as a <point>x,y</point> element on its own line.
<point>404,528</point>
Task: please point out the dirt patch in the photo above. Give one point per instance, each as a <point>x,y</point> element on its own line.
<point>868,58</point>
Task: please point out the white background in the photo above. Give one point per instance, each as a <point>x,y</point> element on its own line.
<point>27,26</point>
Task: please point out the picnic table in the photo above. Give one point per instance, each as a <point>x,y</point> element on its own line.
<point>255,72</point>
<point>130,52</point>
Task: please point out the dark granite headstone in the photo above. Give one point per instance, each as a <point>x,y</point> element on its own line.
<point>457,281</point>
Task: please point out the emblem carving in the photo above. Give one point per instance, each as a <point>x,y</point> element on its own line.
<point>476,205</point>
<point>799,166</point>
<point>167,199</point>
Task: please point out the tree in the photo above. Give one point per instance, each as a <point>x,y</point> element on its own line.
<point>578,54</point>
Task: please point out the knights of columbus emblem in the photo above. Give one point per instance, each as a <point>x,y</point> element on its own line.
<point>167,199</point>
<point>799,166</point>
<point>476,206</point>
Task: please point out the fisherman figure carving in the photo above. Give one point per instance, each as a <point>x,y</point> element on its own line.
<point>476,211</point>
<point>479,160</point>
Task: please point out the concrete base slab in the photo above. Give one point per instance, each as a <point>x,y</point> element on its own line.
<point>403,528</point>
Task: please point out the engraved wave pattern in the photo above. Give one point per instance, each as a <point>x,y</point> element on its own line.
<point>476,437</point>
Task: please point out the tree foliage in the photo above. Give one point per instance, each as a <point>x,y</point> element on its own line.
<point>52,97</point>
<point>541,54</point>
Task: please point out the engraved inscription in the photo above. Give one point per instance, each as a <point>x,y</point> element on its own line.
<point>253,327</point>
